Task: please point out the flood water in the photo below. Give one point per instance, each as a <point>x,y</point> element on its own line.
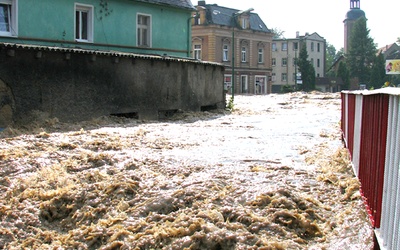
<point>271,174</point>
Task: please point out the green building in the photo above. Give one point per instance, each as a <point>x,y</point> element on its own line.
<point>136,26</point>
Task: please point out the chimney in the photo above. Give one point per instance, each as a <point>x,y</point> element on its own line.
<point>201,3</point>
<point>297,34</point>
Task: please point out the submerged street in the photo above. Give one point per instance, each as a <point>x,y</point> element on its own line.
<point>271,174</point>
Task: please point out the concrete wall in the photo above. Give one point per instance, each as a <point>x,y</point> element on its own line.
<point>75,85</point>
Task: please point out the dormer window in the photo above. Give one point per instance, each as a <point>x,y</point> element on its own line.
<point>244,23</point>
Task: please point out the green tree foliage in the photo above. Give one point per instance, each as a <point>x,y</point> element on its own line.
<point>339,53</point>
<point>330,59</point>
<point>344,73</point>
<point>277,33</point>
<point>378,73</point>
<point>361,54</point>
<point>307,70</point>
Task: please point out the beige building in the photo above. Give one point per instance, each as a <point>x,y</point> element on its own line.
<point>238,39</point>
<point>285,53</point>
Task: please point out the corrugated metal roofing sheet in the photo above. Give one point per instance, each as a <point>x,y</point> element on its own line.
<point>105,53</point>
<point>388,91</point>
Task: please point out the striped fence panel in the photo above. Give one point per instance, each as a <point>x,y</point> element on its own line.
<point>371,131</point>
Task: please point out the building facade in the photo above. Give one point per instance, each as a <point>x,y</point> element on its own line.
<point>109,25</point>
<point>285,53</point>
<point>239,40</point>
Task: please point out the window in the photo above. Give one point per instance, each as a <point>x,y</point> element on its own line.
<point>260,55</point>
<point>284,77</point>
<point>318,62</point>
<point>143,30</point>
<point>312,61</point>
<point>83,23</point>
<point>284,62</point>
<point>8,17</point>
<point>197,19</point>
<point>225,50</point>
<point>260,86</point>
<point>244,54</point>
<point>284,46</point>
<point>274,47</point>
<point>312,46</point>
<point>273,77</point>
<point>244,23</point>
<point>197,51</point>
<point>295,61</point>
<point>295,46</point>
<point>273,61</point>
<point>318,47</point>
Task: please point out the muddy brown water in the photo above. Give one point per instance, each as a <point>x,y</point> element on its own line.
<point>272,174</point>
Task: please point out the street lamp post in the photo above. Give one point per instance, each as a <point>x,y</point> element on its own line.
<point>233,23</point>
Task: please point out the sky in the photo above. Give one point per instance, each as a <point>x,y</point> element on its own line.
<point>324,17</point>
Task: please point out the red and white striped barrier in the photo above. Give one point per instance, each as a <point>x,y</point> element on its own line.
<point>371,131</point>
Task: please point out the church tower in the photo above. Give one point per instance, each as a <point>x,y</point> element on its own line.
<point>351,17</point>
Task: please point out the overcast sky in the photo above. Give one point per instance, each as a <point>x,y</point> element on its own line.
<point>323,16</point>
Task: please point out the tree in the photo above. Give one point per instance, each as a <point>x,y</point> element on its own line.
<point>339,53</point>
<point>378,73</point>
<point>307,70</point>
<point>330,58</point>
<point>344,73</point>
<point>361,53</point>
<point>277,33</point>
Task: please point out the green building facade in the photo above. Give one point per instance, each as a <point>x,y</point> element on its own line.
<point>160,27</point>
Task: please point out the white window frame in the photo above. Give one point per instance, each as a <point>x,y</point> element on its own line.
<point>244,54</point>
<point>284,46</point>
<point>244,23</point>
<point>197,51</point>
<point>295,46</point>
<point>140,28</point>
<point>273,77</point>
<point>225,53</point>
<point>274,48</point>
<point>89,9</point>
<point>12,18</point>
<point>273,62</point>
<point>284,62</point>
<point>260,84</point>
<point>284,77</point>
<point>260,55</point>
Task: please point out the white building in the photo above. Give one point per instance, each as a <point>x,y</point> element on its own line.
<point>285,52</point>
